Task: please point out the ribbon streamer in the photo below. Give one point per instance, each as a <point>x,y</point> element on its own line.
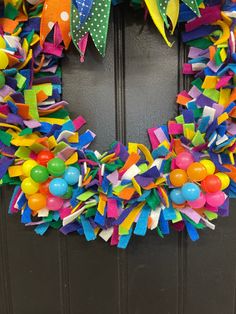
<point>157,18</point>
<point>55,11</point>
<point>162,5</point>
<point>84,8</point>
<point>173,13</point>
<point>96,25</point>
<point>192,4</point>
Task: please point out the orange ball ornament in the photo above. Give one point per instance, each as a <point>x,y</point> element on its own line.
<point>44,187</point>
<point>44,156</point>
<point>196,172</point>
<point>211,184</point>
<point>178,177</point>
<point>37,201</point>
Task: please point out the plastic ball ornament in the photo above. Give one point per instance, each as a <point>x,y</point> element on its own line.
<point>199,202</point>
<point>68,193</point>
<point>39,174</point>
<point>44,187</point>
<point>177,197</point>
<point>190,191</point>
<point>71,175</point>
<point>56,167</point>
<point>44,156</point>
<point>211,184</point>
<point>184,160</point>
<point>37,201</point>
<point>178,177</point>
<point>196,171</point>
<point>58,187</point>
<point>224,179</point>
<point>28,186</point>
<point>27,166</point>
<point>215,199</point>
<point>54,203</point>
<point>209,165</point>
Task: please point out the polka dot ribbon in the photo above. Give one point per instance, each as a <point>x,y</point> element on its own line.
<point>83,7</point>
<point>193,5</point>
<point>96,25</point>
<point>55,11</point>
<point>162,5</point>
<point>163,8</point>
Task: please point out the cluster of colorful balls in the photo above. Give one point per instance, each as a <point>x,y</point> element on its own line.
<point>48,182</point>
<point>197,183</point>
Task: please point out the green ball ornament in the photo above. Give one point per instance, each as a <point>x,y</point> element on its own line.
<point>2,79</point>
<point>39,174</point>
<point>68,194</point>
<point>56,167</point>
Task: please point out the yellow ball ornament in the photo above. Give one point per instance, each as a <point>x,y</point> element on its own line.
<point>28,186</point>
<point>209,165</point>
<point>28,166</point>
<point>2,43</point>
<point>225,180</point>
<point>3,60</point>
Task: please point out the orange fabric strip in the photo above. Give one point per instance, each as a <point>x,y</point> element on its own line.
<point>8,25</point>
<point>133,159</point>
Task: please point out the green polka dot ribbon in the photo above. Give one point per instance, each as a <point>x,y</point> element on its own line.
<point>193,5</point>
<point>96,25</point>
<point>162,5</point>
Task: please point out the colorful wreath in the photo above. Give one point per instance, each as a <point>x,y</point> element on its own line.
<point>183,182</point>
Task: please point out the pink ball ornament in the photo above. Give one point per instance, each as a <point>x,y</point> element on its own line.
<point>184,160</point>
<point>54,203</point>
<point>215,199</point>
<point>198,203</point>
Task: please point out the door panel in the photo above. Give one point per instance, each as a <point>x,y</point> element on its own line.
<point>30,266</point>
<point>151,83</point>
<point>91,268</point>
<point>210,271</point>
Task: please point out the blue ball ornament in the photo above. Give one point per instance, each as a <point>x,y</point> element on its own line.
<point>176,196</point>
<point>71,175</point>
<point>58,187</point>
<point>190,191</point>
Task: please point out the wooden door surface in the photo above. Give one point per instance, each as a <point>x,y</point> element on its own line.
<point>131,89</point>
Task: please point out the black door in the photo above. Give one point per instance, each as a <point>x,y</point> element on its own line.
<point>132,89</point>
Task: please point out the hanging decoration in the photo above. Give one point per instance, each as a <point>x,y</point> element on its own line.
<point>93,22</point>
<point>55,12</point>
<point>183,182</point>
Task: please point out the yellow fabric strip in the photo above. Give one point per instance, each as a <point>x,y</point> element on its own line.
<point>173,13</point>
<point>53,120</point>
<point>127,223</point>
<point>225,34</point>
<point>15,171</point>
<point>6,125</point>
<point>101,205</point>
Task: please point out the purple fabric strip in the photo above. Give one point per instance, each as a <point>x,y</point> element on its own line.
<point>72,227</point>
<point>224,209</point>
<point>198,33</point>
<point>5,163</point>
<point>203,101</point>
<point>18,97</point>
<point>124,214</point>
<point>49,79</point>
<point>14,119</point>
